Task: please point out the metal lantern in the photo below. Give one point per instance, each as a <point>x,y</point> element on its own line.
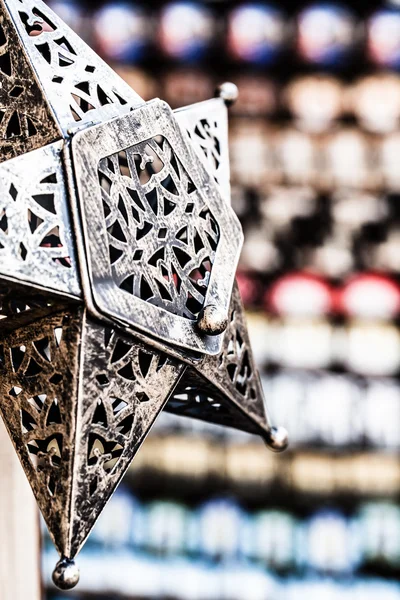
<point>118,251</point>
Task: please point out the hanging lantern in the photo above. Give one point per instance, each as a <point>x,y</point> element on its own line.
<point>118,251</point>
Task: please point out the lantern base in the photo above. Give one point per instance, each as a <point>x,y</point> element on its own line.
<point>66,574</point>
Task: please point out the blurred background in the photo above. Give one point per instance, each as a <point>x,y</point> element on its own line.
<point>207,513</point>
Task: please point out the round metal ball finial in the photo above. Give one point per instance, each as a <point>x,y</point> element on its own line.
<point>66,574</point>
<point>278,439</point>
<point>212,320</point>
<point>228,92</point>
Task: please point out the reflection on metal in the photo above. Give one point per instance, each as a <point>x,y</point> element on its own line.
<point>118,251</point>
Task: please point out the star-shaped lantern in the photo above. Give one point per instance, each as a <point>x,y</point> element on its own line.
<point>118,251</point>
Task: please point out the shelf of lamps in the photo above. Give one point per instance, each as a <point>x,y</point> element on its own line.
<point>198,463</point>
<point>346,157</point>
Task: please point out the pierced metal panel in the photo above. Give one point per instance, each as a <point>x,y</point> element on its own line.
<point>78,400</point>
<point>196,399</point>
<point>225,389</point>
<point>80,87</point>
<point>26,121</point>
<point>38,381</point>
<point>206,123</point>
<point>158,246</point>
<point>162,237</point>
<point>146,198</point>
<point>125,385</point>
<point>36,242</point>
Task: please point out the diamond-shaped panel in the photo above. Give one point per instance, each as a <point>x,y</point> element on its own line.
<point>36,240</point>
<point>161,242</point>
<point>162,237</point>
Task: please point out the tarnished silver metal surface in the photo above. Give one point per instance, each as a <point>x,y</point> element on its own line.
<point>206,123</point>
<point>38,380</point>
<point>118,251</point>
<point>36,240</point>
<point>26,121</point>
<point>78,400</point>
<point>225,389</point>
<point>80,87</point>
<point>160,241</point>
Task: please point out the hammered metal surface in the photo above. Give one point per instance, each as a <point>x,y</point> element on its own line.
<point>225,389</point>
<point>36,240</point>
<point>122,201</point>
<point>26,121</point>
<point>206,124</point>
<point>80,87</point>
<point>78,400</point>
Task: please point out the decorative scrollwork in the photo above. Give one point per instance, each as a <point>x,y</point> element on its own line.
<point>124,386</point>
<point>205,134</point>
<point>162,237</point>
<point>80,86</point>
<point>35,232</point>
<point>25,118</point>
<point>225,388</point>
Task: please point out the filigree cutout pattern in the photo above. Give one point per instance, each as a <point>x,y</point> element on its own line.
<point>235,359</point>
<point>123,383</point>
<point>234,370</point>
<point>162,237</point>
<point>38,365</point>
<point>80,86</point>
<point>209,406</point>
<point>225,388</point>
<point>205,134</point>
<point>78,400</point>
<point>35,235</point>
<point>206,124</point>
<point>125,386</point>
<point>25,118</point>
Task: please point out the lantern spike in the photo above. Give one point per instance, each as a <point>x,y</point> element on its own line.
<point>79,86</point>
<point>78,400</point>
<point>27,121</point>
<point>225,389</point>
<point>36,236</point>
<point>206,124</point>
<point>124,386</point>
<point>38,382</point>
